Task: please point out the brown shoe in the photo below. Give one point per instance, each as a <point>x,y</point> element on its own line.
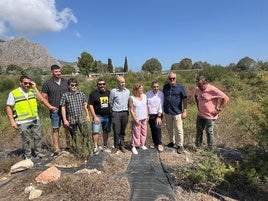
<point>123,149</point>
<point>160,148</point>
<point>114,150</point>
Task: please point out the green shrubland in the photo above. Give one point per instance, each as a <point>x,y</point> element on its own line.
<point>242,125</point>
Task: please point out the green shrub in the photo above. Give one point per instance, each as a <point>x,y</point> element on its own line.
<point>6,84</point>
<point>209,171</point>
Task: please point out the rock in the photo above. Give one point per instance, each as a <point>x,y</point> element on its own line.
<point>21,165</point>
<point>49,175</point>
<point>88,171</point>
<point>35,193</point>
<point>28,189</point>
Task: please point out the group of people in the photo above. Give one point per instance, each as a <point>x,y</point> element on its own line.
<point>110,111</point>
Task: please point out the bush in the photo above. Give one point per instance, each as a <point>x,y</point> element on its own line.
<point>215,73</point>
<point>207,172</point>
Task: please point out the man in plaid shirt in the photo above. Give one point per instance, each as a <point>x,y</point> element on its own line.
<point>74,110</point>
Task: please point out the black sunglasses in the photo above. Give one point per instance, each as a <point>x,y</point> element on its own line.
<point>27,83</point>
<point>100,84</point>
<point>172,78</point>
<point>74,85</point>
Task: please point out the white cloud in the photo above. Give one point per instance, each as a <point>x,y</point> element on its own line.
<point>33,16</point>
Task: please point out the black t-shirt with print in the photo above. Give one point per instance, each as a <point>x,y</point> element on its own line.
<point>100,102</point>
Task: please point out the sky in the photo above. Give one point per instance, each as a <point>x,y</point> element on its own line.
<point>219,32</point>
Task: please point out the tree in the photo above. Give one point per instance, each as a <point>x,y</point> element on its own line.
<point>85,63</point>
<point>125,65</point>
<point>32,72</point>
<point>200,65</point>
<point>110,65</point>
<point>67,69</point>
<point>246,64</point>
<point>152,65</point>
<point>13,69</point>
<point>175,66</point>
<point>186,63</point>
<point>262,65</point>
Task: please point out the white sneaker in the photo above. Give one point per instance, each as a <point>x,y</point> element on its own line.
<point>134,150</point>
<point>143,147</point>
<point>95,151</point>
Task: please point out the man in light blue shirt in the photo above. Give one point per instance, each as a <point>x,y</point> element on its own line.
<point>118,101</point>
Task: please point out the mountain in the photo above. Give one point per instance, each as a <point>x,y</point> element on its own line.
<point>24,53</point>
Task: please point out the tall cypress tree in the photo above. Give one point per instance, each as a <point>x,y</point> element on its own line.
<point>110,65</point>
<point>125,65</point>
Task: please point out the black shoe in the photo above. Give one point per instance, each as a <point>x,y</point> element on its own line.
<point>180,150</point>
<point>171,144</point>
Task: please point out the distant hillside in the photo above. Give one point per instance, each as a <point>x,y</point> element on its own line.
<point>65,63</point>
<point>24,53</point>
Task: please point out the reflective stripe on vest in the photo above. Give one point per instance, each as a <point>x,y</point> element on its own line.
<point>25,108</point>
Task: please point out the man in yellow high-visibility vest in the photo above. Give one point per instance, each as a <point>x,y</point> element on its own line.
<point>22,111</point>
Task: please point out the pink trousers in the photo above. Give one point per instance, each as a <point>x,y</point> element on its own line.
<point>139,133</point>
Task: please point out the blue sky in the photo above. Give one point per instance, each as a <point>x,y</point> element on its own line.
<point>215,31</point>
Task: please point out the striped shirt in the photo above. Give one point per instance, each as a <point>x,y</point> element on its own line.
<point>74,104</point>
<point>54,91</point>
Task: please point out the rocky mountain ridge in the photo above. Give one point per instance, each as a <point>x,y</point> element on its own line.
<point>24,53</point>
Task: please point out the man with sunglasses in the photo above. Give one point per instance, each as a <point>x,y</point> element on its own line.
<point>98,104</point>
<point>22,111</point>
<point>175,108</point>
<point>75,112</point>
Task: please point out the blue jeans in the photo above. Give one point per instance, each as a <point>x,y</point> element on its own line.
<point>201,124</point>
<point>56,118</point>
<point>105,123</point>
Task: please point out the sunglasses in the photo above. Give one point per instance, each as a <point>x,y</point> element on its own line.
<point>27,83</point>
<point>101,84</point>
<point>172,78</point>
<point>74,85</point>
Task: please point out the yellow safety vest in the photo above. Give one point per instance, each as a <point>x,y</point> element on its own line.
<point>25,108</point>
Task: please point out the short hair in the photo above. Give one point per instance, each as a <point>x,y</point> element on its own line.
<point>202,78</point>
<point>171,72</point>
<point>24,77</point>
<point>136,88</point>
<point>72,80</point>
<point>100,79</point>
<point>154,82</point>
<point>54,67</point>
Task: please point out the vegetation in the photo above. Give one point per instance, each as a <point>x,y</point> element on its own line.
<point>125,65</point>
<point>152,65</point>
<point>242,126</point>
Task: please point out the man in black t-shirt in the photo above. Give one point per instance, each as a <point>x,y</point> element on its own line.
<point>98,104</point>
